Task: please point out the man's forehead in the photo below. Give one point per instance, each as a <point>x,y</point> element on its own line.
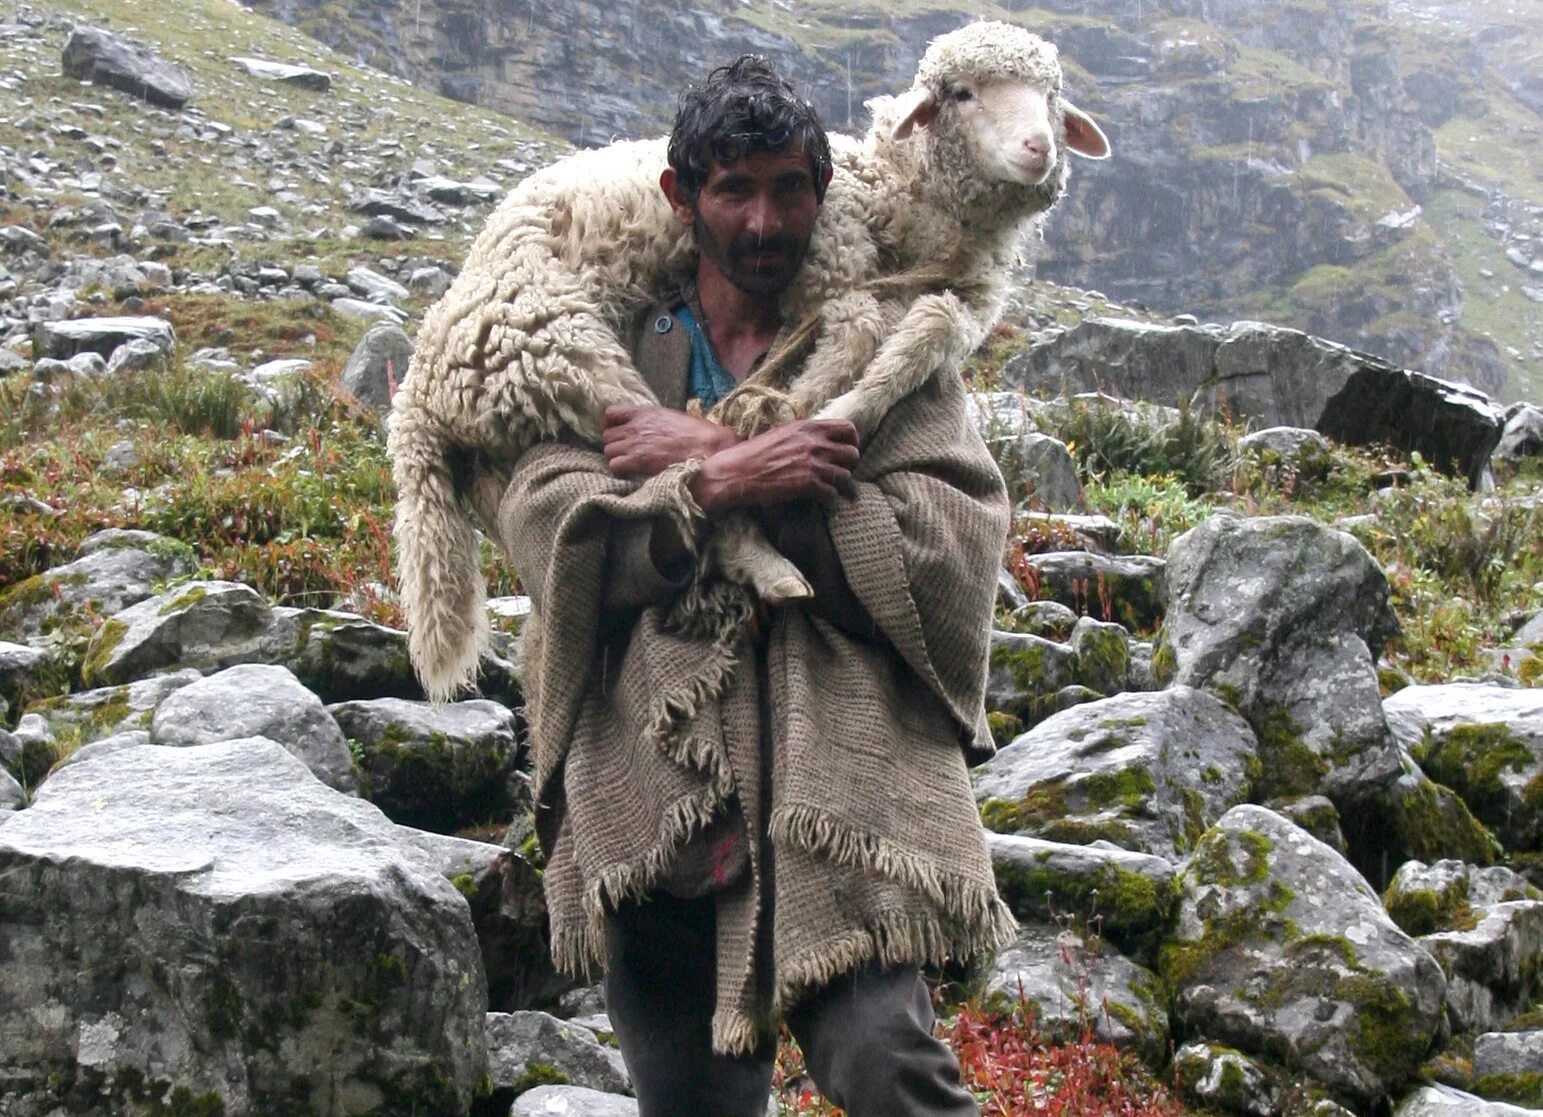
<point>793,157</point>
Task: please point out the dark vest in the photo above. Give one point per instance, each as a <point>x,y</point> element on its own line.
<point>661,351</point>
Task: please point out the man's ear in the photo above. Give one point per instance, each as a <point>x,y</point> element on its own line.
<point>916,106</point>
<point>684,206</point>
<point>825,176</point>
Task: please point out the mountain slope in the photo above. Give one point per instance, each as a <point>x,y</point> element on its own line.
<point>1349,167</point>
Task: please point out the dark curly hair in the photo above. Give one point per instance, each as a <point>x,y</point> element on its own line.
<point>743,108</point>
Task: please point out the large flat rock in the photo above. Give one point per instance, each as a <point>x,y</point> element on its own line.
<point>213,923</point>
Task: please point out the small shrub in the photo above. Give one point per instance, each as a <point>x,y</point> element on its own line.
<point>1197,452</point>
<point>1152,510</point>
<point>192,400</point>
<point>1013,1071</point>
<point>1436,525</point>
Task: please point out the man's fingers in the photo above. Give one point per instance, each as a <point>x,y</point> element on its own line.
<point>840,430</point>
<point>618,413</point>
<point>843,454</point>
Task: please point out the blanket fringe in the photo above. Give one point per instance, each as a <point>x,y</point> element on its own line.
<point>969,902</point>
<point>580,949</point>
<point>578,952</point>
<point>903,939</point>
<point>737,1033</point>
<point>728,615</point>
<point>632,880</point>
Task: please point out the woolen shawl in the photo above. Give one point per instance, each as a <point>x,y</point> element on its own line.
<point>645,722</point>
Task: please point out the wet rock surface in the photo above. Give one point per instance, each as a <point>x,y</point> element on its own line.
<point>216,918</point>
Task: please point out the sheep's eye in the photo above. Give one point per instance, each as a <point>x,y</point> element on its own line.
<point>963,94</point>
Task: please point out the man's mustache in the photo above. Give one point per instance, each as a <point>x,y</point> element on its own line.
<point>750,246</point>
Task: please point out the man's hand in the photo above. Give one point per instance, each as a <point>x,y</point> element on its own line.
<point>805,459</point>
<point>643,441</point>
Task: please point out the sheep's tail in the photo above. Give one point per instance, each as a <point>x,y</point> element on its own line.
<point>440,581</point>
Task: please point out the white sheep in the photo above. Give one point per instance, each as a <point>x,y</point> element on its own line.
<point>907,271</point>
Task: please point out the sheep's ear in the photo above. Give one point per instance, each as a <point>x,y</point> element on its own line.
<point>916,106</point>
<point>1082,135</point>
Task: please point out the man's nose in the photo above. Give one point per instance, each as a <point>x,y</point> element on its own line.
<point>765,216</point>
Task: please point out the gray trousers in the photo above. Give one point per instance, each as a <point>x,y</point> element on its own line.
<point>867,1037</point>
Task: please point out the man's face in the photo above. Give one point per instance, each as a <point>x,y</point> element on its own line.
<point>753,219</point>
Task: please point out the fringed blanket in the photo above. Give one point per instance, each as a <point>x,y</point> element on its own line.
<point>644,724</point>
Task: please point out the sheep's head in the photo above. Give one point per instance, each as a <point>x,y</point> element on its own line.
<point>995,89</point>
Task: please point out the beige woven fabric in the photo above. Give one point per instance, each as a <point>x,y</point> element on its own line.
<point>644,723</point>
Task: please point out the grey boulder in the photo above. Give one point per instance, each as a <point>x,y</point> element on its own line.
<point>1271,375</point>
<point>1077,985</point>
<point>64,339</point>
<point>369,284</point>
<point>1127,589</point>
<point>1494,966</point>
<point>1486,743</point>
<point>1024,674</point>
<point>258,700</point>
<point>215,919</point>
<point>508,909</point>
<point>21,671</point>
<point>1283,951</point>
<point>105,58</point>
<point>115,569</point>
<point>1523,434</point>
<point>1226,1080</point>
<point>1444,1101</point>
<point>285,73</point>
<point>1511,1056</point>
<point>572,1101</point>
<point>1284,618</point>
<point>206,625</point>
<point>1128,896</point>
<point>379,360</point>
<point>91,715</point>
<point>520,1041</point>
<point>12,795</point>
<point>341,656</point>
<point>1149,772</point>
<point>437,768</point>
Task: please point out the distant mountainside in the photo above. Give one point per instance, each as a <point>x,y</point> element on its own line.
<point>1364,170</point>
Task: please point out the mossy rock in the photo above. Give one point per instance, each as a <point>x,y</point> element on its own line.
<point>1522,1089</point>
<point>1282,951</point>
<point>1474,760</point>
<point>1129,898</point>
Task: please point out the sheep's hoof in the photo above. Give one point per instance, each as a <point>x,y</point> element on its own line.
<point>791,588</point>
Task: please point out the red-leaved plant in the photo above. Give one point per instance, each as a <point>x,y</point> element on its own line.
<point>1013,1071</point>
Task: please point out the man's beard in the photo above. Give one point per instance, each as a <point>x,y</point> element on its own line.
<point>737,259</point>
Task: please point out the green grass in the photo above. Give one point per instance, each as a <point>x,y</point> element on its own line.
<point>1493,304</point>
<point>1499,147</point>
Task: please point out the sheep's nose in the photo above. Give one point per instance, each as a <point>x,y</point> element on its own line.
<point>1037,148</point>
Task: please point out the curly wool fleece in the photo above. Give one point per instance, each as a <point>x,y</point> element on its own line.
<point>906,273</point>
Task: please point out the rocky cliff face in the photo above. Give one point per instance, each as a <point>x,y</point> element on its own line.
<point>1334,165</point>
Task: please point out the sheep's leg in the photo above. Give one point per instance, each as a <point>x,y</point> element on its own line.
<point>937,331</point>
<point>851,328</point>
<point>743,555</point>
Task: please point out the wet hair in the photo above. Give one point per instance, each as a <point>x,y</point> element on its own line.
<point>741,109</point>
